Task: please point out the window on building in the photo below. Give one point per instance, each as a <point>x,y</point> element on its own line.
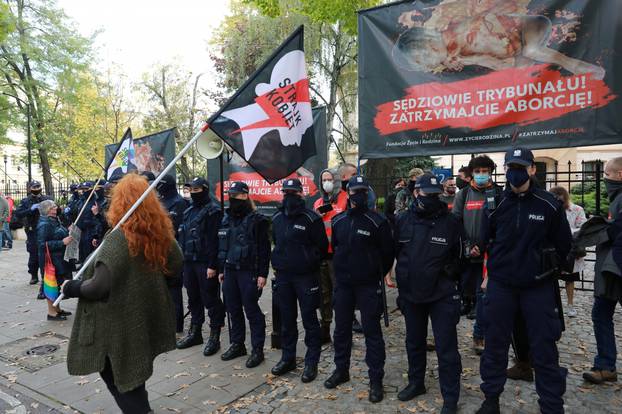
<point>589,169</point>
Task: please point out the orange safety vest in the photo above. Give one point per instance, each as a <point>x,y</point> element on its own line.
<point>339,206</point>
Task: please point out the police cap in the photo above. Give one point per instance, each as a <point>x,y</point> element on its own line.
<point>238,187</point>
<point>200,182</point>
<point>292,184</point>
<point>520,155</point>
<point>358,182</point>
<point>429,184</point>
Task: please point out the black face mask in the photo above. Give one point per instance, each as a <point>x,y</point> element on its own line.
<point>100,194</point>
<point>36,193</point>
<point>460,183</point>
<point>613,187</point>
<point>429,204</point>
<point>358,201</point>
<point>200,198</point>
<point>238,208</point>
<point>344,185</point>
<point>411,185</point>
<point>293,204</point>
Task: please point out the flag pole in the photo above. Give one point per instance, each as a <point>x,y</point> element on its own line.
<point>101,175</point>
<point>138,202</point>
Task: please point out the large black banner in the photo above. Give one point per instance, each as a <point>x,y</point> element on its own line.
<point>449,76</point>
<point>151,152</point>
<point>268,196</point>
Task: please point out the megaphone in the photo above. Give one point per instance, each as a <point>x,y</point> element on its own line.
<point>210,145</point>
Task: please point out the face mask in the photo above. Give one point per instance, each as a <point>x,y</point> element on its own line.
<point>292,203</point>
<point>460,183</point>
<point>411,186</point>
<point>358,201</point>
<point>481,179</point>
<point>328,186</point>
<point>427,204</point>
<point>35,192</point>
<point>238,207</point>
<point>517,176</point>
<point>612,187</point>
<point>344,185</point>
<point>199,198</point>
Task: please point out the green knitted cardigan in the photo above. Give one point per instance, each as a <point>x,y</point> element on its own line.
<point>133,326</point>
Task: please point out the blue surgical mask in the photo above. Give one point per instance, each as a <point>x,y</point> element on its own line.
<point>481,179</point>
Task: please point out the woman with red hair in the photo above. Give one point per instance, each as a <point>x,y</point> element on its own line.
<point>125,313</point>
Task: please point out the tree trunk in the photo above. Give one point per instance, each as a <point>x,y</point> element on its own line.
<point>44,161</point>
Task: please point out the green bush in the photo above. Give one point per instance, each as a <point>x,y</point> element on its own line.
<point>589,199</point>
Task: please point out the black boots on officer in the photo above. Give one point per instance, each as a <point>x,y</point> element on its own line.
<point>194,337</point>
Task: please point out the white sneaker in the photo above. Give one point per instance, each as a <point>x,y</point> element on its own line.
<point>572,312</point>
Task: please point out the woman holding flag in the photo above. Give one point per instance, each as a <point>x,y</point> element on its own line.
<point>52,238</point>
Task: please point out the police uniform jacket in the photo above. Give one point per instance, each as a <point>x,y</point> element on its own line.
<point>175,206</point>
<point>30,217</point>
<point>198,234</point>
<point>363,246</point>
<point>520,229</point>
<point>429,254</point>
<point>244,243</point>
<point>300,242</point>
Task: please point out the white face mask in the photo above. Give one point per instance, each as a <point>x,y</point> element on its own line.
<point>328,186</point>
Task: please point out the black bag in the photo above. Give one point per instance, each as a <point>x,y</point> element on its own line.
<point>15,223</point>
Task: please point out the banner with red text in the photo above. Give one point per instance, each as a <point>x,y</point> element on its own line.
<point>447,76</point>
<point>268,196</point>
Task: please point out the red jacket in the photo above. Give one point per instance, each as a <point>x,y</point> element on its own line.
<point>339,206</point>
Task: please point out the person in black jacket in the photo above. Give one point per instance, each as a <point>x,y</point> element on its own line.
<point>528,234</point>
<point>175,206</point>
<point>92,223</point>
<point>244,262</point>
<point>28,213</point>
<point>429,244</point>
<point>198,239</point>
<point>363,254</point>
<point>300,244</point>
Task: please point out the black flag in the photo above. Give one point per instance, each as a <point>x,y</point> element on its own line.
<point>268,121</point>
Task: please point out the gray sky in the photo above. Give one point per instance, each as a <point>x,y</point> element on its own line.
<point>137,34</point>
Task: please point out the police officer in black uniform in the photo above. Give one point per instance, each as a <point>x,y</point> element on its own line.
<point>300,244</point>
<point>429,244</point>
<point>92,222</point>
<point>244,256</point>
<point>363,253</point>
<point>528,234</point>
<point>175,205</point>
<point>28,213</point>
<point>198,239</point>
<point>71,210</point>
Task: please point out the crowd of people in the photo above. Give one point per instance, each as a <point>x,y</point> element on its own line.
<point>462,247</point>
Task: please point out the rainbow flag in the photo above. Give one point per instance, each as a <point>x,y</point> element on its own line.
<point>50,284</point>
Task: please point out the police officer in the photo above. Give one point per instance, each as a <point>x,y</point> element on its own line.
<point>92,223</point>
<point>175,205</point>
<point>28,213</point>
<point>363,254</point>
<point>429,244</point>
<point>300,244</point>
<point>70,212</point>
<point>198,239</point>
<point>528,232</point>
<point>244,257</point>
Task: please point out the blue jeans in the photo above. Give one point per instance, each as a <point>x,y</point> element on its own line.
<point>602,319</point>
<point>5,235</point>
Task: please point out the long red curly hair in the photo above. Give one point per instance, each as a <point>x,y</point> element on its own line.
<point>149,230</point>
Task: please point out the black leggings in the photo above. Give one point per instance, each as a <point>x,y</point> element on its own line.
<point>135,401</point>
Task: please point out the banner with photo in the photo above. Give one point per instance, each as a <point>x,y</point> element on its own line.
<point>268,196</point>
<point>447,76</point>
<point>151,153</point>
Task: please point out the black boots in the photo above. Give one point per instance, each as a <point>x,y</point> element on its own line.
<point>338,377</point>
<point>194,337</point>
<point>255,359</point>
<point>213,343</point>
<point>309,373</point>
<point>283,367</point>
<point>489,406</point>
<point>411,391</point>
<point>234,351</point>
<point>376,392</point>
<point>34,279</point>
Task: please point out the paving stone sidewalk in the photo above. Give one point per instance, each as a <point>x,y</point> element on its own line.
<point>187,382</point>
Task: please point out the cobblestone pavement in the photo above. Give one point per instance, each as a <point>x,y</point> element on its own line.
<point>187,382</point>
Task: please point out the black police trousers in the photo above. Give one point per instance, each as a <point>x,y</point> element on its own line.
<point>203,293</point>
<point>445,315</point>
<point>368,298</point>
